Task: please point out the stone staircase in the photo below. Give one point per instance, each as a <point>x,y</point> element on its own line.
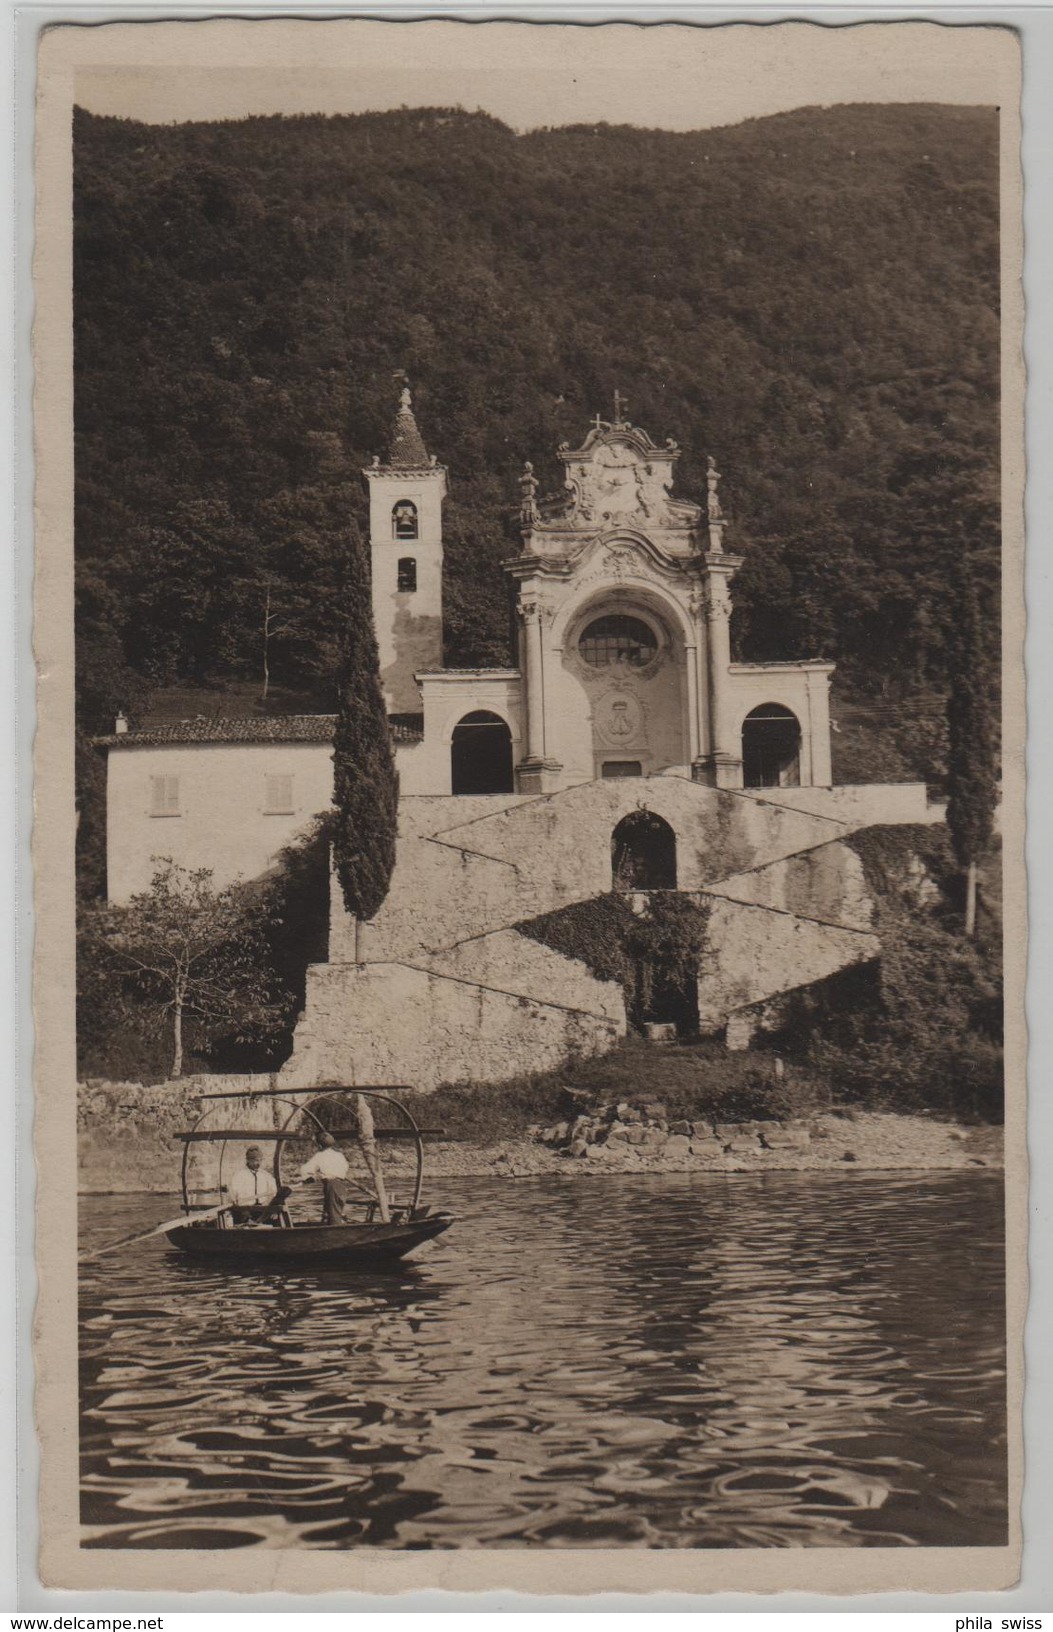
<point>788,907</point>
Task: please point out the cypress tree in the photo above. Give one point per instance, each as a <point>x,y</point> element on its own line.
<point>972,785</point>
<point>365,783</point>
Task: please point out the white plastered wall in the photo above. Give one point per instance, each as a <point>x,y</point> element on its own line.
<point>222,821</point>
<point>803,688</point>
<point>448,696</point>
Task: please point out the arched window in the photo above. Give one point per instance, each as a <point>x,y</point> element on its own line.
<point>643,853</point>
<point>481,755</point>
<point>404,519</point>
<point>618,639</point>
<point>407,574</point>
<point>771,748</point>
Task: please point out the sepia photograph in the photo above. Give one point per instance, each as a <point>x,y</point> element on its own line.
<point>524,610</point>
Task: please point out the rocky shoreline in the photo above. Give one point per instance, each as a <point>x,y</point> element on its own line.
<point>629,1140</point>
<point>830,1141</point>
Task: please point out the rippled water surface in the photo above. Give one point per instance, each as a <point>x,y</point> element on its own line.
<point>732,1361</point>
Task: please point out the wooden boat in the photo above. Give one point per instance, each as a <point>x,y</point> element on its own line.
<point>209,1231</point>
<point>336,1246</point>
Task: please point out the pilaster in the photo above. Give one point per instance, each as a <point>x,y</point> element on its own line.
<point>537,772</point>
<point>722,766</point>
<point>819,769</point>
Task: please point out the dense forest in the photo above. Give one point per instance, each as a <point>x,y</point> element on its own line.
<point>812,298</point>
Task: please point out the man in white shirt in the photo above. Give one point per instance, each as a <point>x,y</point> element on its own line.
<point>330,1165</point>
<point>251,1189</point>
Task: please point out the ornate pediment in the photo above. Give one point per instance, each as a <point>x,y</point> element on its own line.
<point>621,555</point>
<point>618,477</point>
<point>617,486</point>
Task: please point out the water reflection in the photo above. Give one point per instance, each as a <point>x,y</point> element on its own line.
<point>774,1360</point>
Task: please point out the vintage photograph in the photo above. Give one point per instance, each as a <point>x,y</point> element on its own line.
<point>536,583</point>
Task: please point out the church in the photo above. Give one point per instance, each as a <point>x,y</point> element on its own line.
<point>625,750</point>
<point>623,609</point>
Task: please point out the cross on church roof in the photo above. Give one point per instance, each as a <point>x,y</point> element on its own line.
<point>620,404</point>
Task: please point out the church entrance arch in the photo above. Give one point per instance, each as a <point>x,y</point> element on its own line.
<point>631,670</point>
<point>643,853</point>
<point>771,748</point>
<point>481,754</point>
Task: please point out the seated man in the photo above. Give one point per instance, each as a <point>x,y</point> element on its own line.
<point>253,1192</point>
<point>330,1165</point>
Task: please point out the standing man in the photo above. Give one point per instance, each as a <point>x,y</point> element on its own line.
<point>330,1165</point>
<point>251,1189</point>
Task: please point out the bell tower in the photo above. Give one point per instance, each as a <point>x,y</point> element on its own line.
<point>405,544</point>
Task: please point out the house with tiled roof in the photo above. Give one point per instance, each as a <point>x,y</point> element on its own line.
<point>228,794</point>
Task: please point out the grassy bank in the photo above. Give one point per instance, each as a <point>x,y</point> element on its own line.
<point>692,1080</point>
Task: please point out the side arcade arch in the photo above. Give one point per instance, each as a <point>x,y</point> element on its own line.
<point>481,755</point>
<point>771,747</point>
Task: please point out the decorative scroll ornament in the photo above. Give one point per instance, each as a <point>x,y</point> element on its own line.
<point>618,560</point>
<point>533,609</point>
<point>615,486</point>
<point>619,476</point>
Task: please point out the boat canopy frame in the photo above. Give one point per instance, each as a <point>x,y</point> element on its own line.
<point>280,1136</point>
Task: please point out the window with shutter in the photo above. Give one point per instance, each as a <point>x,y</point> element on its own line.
<point>279,801</point>
<point>164,796</point>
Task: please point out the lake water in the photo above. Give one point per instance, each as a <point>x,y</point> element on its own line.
<point>713,1361</point>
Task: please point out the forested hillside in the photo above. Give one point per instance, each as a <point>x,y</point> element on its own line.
<point>812,298</point>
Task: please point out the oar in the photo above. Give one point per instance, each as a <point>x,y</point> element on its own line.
<point>158,1229</point>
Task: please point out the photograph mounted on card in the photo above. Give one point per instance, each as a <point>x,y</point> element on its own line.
<point>529,788</point>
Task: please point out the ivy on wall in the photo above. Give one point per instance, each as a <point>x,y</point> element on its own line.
<point>653,954</point>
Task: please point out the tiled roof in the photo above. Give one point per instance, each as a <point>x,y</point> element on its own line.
<point>260,728</point>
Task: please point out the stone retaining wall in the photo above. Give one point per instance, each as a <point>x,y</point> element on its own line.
<point>126,1130</point>
<point>397,1023</point>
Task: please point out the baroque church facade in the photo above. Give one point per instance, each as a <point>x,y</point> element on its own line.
<point>623,606</point>
<point>626,750</point>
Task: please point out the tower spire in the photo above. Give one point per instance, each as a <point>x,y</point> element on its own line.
<point>407,445</point>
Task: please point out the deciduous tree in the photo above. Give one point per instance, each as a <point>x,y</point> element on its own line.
<point>187,952</point>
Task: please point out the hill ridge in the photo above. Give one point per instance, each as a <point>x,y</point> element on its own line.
<point>821,316</point>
